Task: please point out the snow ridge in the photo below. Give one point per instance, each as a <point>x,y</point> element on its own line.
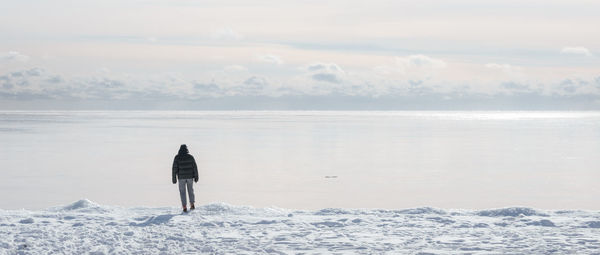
<point>87,227</point>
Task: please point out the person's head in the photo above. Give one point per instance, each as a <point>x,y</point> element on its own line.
<point>183,149</point>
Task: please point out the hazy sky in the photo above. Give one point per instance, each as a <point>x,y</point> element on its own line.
<point>300,54</point>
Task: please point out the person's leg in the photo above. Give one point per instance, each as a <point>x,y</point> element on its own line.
<point>190,188</point>
<point>182,192</point>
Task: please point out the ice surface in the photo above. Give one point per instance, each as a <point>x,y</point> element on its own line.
<point>85,227</point>
<point>388,159</point>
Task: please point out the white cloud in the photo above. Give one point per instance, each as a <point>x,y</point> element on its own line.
<point>503,67</point>
<point>226,34</point>
<point>326,67</point>
<point>411,68</point>
<point>420,61</point>
<point>506,68</point>
<point>103,71</point>
<point>384,70</point>
<point>576,50</point>
<point>314,80</point>
<point>235,68</point>
<point>269,58</point>
<point>256,82</point>
<point>327,77</point>
<point>14,56</point>
<point>325,72</point>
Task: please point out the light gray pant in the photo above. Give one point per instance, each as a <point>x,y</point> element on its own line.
<point>190,188</point>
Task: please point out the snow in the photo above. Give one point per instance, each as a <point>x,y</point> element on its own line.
<point>513,211</point>
<point>85,227</point>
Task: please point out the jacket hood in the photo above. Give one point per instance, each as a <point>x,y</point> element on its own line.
<point>183,149</point>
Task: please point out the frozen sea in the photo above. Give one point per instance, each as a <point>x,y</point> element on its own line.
<point>303,159</point>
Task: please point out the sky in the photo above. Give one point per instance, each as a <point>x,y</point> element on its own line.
<point>341,55</point>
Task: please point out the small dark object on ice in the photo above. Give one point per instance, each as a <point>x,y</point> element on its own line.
<point>192,207</point>
<point>184,209</point>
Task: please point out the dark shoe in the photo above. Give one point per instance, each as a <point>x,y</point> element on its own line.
<point>192,207</point>
<point>184,209</point>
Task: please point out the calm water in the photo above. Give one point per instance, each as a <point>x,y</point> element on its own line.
<point>548,160</point>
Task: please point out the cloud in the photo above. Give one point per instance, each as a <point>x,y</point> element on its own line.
<point>415,75</point>
<point>235,69</point>
<point>327,77</point>
<point>268,58</point>
<point>54,79</point>
<point>207,89</point>
<point>256,81</point>
<point>325,67</point>
<point>325,72</point>
<point>411,67</point>
<point>572,86</point>
<point>502,67</point>
<point>226,34</point>
<point>106,83</point>
<point>420,61</point>
<point>515,86</point>
<point>37,83</point>
<point>314,80</point>
<point>576,51</point>
<point>14,56</point>
<point>255,85</point>
<point>34,71</point>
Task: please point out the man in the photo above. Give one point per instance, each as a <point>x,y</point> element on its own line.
<point>184,167</point>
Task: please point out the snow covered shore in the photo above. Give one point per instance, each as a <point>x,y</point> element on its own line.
<point>85,227</point>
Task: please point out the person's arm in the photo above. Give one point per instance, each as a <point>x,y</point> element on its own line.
<point>195,170</point>
<point>175,170</point>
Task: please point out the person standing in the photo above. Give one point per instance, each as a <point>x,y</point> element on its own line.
<point>185,169</point>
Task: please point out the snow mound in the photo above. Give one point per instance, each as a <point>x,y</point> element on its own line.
<point>332,211</point>
<point>26,221</point>
<point>510,212</point>
<point>593,224</point>
<point>152,220</point>
<point>83,205</point>
<point>423,210</point>
<point>220,208</point>
<point>543,223</point>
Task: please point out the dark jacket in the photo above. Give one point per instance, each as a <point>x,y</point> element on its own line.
<point>184,166</point>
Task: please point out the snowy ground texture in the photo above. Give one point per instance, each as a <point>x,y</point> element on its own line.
<point>85,227</point>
